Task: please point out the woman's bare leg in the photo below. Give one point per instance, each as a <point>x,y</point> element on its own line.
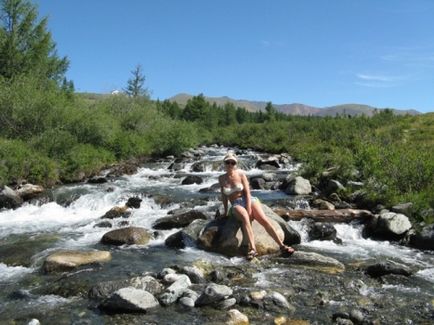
<point>259,215</point>
<point>244,217</point>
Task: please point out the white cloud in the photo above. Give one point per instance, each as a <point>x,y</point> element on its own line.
<point>377,80</point>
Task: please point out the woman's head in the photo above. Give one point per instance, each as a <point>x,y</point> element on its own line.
<point>230,159</point>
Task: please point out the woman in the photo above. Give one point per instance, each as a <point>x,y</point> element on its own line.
<point>235,188</point>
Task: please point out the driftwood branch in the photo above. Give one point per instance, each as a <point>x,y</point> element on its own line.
<point>342,215</point>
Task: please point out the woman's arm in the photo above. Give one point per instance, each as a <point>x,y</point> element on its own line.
<point>224,198</point>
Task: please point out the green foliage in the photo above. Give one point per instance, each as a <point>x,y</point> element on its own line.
<point>19,162</point>
<point>26,46</point>
<point>84,159</point>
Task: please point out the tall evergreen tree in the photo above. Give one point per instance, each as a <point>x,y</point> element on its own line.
<point>135,85</point>
<point>25,44</point>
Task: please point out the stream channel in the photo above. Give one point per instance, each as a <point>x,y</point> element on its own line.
<point>65,218</point>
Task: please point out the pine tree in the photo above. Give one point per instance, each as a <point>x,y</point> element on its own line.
<point>26,47</point>
<point>135,83</point>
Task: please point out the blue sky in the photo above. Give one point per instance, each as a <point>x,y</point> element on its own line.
<point>315,52</point>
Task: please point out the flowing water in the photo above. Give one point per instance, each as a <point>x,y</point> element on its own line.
<point>66,219</point>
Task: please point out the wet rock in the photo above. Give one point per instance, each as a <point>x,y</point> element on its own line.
<point>178,221</point>
<point>423,239</point>
<point>187,236</point>
<point>192,179</point>
<point>313,260</point>
<point>194,273</point>
<point>130,300</point>
<point>271,163</point>
<point>34,321</point>
<point>213,293</point>
<point>133,202</point>
<point>9,199</point>
<point>322,231</point>
<point>198,167</point>
<point>388,267</point>
<point>105,289</point>
<point>323,205</point>
<point>97,180</point>
<point>403,208</point>
<point>392,225</point>
<point>175,290</point>
<point>226,304</point>
<point>258,183</point>
<point>334,186</point>
<point>276,302</point>
<point>235,317</point>
<point>225,235</point>
<point>215,188</point>
<point>29,191</point>
<point>68,260</point>
<point>103,224</point>
<point>129,236</point>
<point>296,186</point>
<point>189,298</point>
<point>117,212</point>
<point>357,316</point>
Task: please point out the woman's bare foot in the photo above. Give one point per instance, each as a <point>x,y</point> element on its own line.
<point>286,251</point>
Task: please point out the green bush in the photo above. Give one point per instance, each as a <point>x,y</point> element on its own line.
<point>19,162</point>
<point>84,160</point>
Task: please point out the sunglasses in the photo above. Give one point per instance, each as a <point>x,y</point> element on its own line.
<point>230,162</point>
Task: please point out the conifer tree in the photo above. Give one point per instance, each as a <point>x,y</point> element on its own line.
<point>26,47</point>
<point>136,82</point>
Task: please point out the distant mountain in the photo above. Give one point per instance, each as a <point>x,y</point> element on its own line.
<point>294,109</point>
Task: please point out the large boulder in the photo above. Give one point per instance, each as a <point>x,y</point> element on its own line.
<point>225,236</point>
<point>104,290</point>
<point>187,236</point>
<point>68,260</point>
<point>130,300</point>
<point>423,239</point>
<point>179,220</point>
<point>313,260</point>
<point>117,212</point>
<point>387,267</point>
<point>296,186</point>
<point>129,236</point>
<point>29,191</point>
<point>9,199</point>
<point>391,225</point>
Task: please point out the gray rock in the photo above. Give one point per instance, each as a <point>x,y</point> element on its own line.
<point>275,301</point>
<point>322,231</point>
<point>29,191</point>
<point>130,300</point>
<point>187,302</point>
<point>226,304</point>
<point>357,316</point>
<point>423,239</point>
<point>213,293</point>
<point>192,179</point>
<point>117,212</point>
<point>68,260</point>
<point>175,290</point>
<point>129,236</point>
<point>314,260</point>
<point>225,235</point>
<point>297,186</point>
<point>9,199</point>
<point>392,224</point>
<point>194,273</point>
<point>179,220</point>
<point>187,236</point>
<point>134,202</point>
<point>388,267</point>
<point>104,290</point>
<point>404,208</point>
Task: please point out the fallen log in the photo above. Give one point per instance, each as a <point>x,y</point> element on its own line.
<point>342,215</point>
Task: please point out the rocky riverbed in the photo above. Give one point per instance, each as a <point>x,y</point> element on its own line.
<point>132,249</point>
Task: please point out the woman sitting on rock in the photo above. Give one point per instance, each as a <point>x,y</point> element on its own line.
<point>236,189</point>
